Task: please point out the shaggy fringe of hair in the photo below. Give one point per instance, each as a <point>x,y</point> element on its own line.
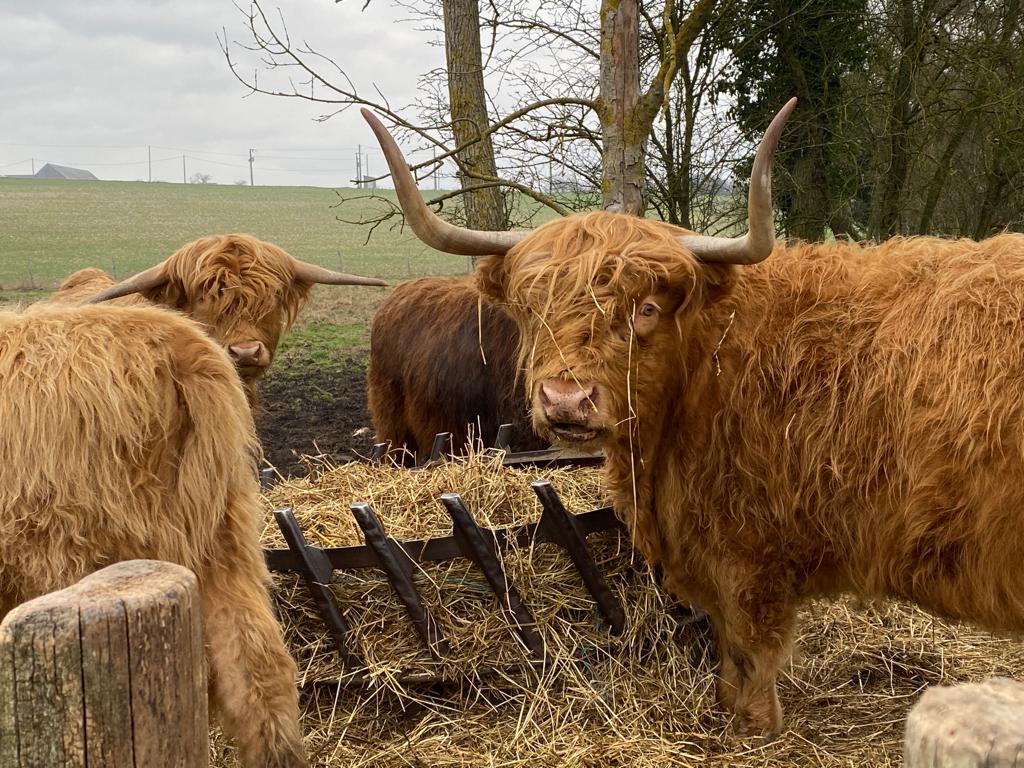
<point>594,260</point>
<point>250,278</point>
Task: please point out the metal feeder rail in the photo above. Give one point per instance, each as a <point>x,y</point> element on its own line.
<point>468,540</point>
<point>546,457</point>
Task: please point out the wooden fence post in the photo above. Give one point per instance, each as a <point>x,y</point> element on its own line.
<point>109,673</point>
<point>967,726</point>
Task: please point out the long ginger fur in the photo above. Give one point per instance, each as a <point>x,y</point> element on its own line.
<point>837,418</point>
<point>126,435</point>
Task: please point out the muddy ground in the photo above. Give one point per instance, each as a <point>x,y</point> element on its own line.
<point>313,401</point>
<point>315,413</point>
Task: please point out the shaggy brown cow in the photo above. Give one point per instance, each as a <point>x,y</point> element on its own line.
<point>244,291</point>
<point>126,435</point>
<point>443,359</point>
<point>835,418</point>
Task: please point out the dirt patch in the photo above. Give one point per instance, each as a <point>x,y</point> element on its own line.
<point>315,412</point>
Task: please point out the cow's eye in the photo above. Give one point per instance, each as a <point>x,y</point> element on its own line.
<point>645,318</point>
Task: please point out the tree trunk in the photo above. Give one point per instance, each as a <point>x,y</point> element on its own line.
<point>624,132</point>
<point>812,199</point>
<point>674,204</point>
<point>468,104</point>
<point>942,168</point>
<point>626,115</point>
<point>888,212</point>
<point>684,173</point>
<point>1007,149</point>
<point>679,167</point>
<point>997,180</point>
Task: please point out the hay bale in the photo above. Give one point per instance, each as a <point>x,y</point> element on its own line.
<point>455,592</point>
<point>641,700</point>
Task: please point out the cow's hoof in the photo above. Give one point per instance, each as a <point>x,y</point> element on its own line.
<point>749,725</point>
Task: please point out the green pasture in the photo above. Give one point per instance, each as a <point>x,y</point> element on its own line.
<point>49,229</point>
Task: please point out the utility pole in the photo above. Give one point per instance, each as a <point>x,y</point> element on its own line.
<point>183,181</point>
<point>33,166</point>
<point>434,174</point>
<point>359,166</point>
<point>251,158</point>
<point>149,152</point>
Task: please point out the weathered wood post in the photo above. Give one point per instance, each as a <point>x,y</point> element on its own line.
<point>108,673</point>
<point>967,726</point>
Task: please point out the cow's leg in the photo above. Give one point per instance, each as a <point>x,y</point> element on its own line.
<point>727,679</point>
<point>755,622</point>
<point>388,411</point>
<point>252,677</point>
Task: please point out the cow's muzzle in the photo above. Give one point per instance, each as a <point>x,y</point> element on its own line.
<point>250,357</point>
<point>570,409</point>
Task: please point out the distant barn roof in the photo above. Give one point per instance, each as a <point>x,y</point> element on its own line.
<point>53,171</point>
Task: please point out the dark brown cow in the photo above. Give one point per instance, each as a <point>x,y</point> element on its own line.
<point>834,418</point>
<point>443,359</point>
<point>244,291</point>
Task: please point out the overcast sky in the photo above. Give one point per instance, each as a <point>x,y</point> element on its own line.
<point>94,84</point>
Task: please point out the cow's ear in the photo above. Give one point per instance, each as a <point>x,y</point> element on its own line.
<point>170,294</point>
<point>717,281</point>
<point>491,277</point>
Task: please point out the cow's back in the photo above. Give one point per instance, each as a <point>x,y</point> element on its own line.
<point>80,285</point>
<point>124,427</point>
<point>442,358</point>
<point>863,423</point>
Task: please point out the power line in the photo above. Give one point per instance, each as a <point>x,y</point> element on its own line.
<point>302,161</point>
<point>102,165</point>
<point>72,146</point>
<point>186,150</point>
<point>288,157</point>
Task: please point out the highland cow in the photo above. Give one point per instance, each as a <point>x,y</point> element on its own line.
<point>443,359</point>
<point>834,418</point>
<point>126,435</point>
<point>245,292</point>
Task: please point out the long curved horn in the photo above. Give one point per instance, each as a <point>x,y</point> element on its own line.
<point>311,273</point>
<point>143,281</point>
<point>760,238</point>
<point>427,226</point>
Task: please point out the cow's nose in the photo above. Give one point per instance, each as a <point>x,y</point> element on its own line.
<point>568,396</point>
<point>247,353</point>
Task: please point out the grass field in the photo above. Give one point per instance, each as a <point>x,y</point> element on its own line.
<point>48,229</point>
